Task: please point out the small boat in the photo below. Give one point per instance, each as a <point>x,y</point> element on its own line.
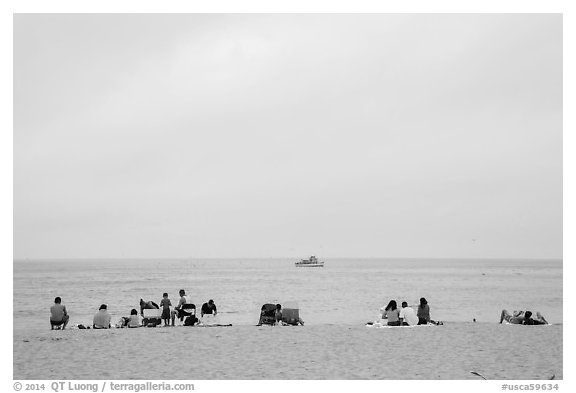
<point>312,262</point>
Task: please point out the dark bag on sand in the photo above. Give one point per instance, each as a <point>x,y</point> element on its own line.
<point>190,321</point>
<point>150,322</point>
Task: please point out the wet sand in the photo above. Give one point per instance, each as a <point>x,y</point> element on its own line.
<point>309,352</point>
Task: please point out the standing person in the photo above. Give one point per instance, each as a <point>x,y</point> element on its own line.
<point>102,318</point>
<point>408,316</point>
<point>165,303</point>
<point>208,308</point>
<point>392,314</point>
<point>58,314</point>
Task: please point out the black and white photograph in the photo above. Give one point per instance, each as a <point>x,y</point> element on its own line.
<point>287,196</point>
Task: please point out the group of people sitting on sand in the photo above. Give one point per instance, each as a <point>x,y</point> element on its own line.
<point>185,311</point>
<point>522,318</point>
<point>406,316</point>
<point>274,315</point>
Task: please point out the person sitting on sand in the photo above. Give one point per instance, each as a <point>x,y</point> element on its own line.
<point>391,313</point>
<point>423,312</point>
<point>516,318</point>
<point>208,308</point>
<point>528,320</point>
<point>58,315</point>
<point>102,318</point>
<point>134,321</point>
<point>407,316</point>
<point>178,311</point>
<point>278,314</point>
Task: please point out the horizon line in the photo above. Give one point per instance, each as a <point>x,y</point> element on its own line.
<point>281,257</point>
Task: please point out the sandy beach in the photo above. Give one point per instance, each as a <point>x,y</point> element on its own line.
<point>309,352</point>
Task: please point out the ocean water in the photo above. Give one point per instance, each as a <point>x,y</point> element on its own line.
<point>345,291</point>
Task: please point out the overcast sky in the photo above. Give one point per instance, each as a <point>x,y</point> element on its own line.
<point>288,135</point>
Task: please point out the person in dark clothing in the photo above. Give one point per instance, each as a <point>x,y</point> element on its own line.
<point>423,312</point>
<point>278,314</point>
<point>208,308</point>
<point>528,320</point>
